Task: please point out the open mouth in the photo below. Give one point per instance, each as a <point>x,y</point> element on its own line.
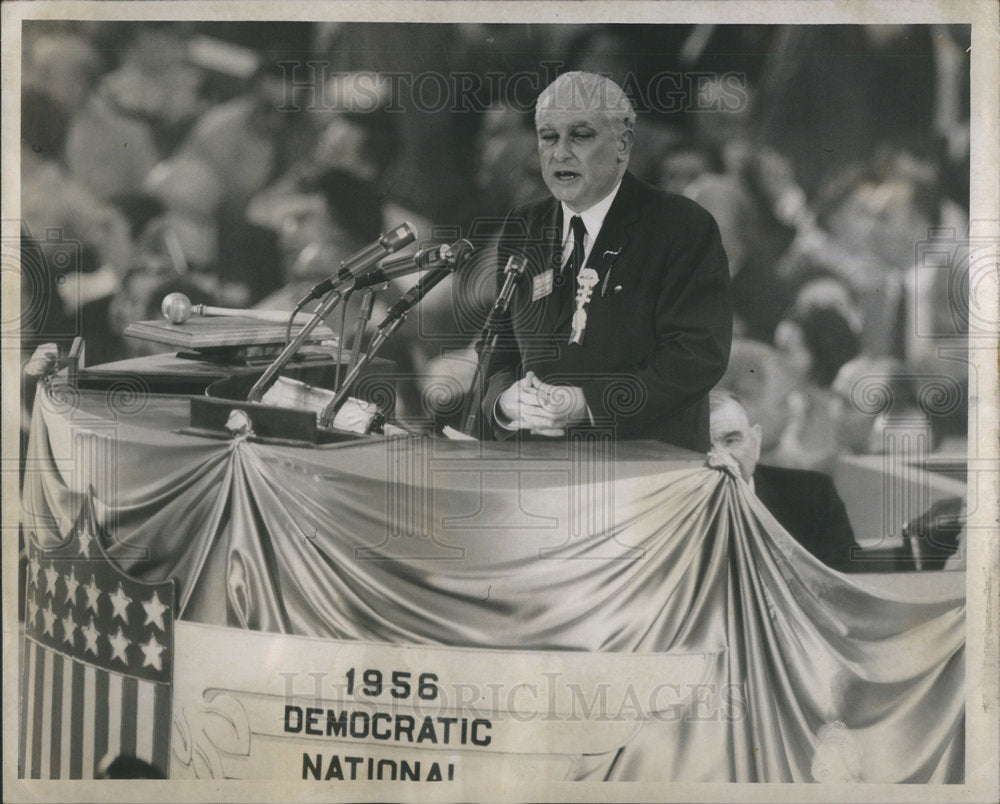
<point>566,175</point>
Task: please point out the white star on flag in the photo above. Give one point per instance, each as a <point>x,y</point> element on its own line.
<point>33,569</point>
<point>120,601</point>
<point>69,627</point>
<point>39,578</point>
<point>32,611</point>
<point>90,634</point>
<point>71,584</point>
<point>85,540</point>
<point>118,644</point>
<point>50,617</point>
<point>51,576</point>
<point>151,651</point>
<point>93,593</point>
<point>154,611</point>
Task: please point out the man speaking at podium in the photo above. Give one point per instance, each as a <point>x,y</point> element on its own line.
<point>623,319</point>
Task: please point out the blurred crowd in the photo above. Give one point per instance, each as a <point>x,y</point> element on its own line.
<point>241,162</point>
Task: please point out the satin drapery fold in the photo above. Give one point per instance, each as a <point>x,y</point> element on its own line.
<point>418,542</point>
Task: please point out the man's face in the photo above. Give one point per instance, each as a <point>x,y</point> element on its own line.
<point>582,152</point>
<point>731,432</point>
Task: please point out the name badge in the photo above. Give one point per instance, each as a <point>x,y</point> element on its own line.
<point>541,285</point>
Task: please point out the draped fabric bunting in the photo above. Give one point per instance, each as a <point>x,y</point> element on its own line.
<point>581,545</point>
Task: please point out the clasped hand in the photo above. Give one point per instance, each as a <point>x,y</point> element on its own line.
<point>542,408</point>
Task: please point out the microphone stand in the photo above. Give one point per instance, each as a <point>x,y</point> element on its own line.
<point>330,301</point>
<point>328,413</point>
<point>393,320</point>
<point>487,344</point>
<point>364,315</point>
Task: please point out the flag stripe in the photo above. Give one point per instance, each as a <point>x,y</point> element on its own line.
<point>145,720</point>
<point>89,720</point>
<point>162,726</point>
<point>129,711</point>
<point>27,705</point>
<point>56,725</point>
<point>112,747</point>
<point>39,694</point>
<point>66,747</point>
<point>100,732</point>
<point>45,723</point>
<point>76,722</point>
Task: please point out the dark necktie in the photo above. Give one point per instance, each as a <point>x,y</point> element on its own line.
<point>575,261</point>
<point>567,275</point>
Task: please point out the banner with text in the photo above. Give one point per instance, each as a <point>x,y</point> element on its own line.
<point>267,706</point>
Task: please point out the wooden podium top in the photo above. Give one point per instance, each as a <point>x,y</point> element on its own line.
<point>214,332</point>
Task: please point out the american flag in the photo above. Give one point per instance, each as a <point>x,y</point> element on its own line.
<point>97,663</point>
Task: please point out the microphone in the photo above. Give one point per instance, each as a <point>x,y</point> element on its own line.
<point>450,257</point>
<point>389,243</point>
<point>428,257</point>
<point>456,254</point>
<point>177,308</point>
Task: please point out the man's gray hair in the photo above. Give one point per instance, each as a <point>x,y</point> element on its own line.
<point>589,91</point>
<point>718,397</point>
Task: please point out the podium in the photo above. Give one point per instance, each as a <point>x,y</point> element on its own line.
<point>219,360</point>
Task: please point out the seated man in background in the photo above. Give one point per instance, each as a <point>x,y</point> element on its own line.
<point>806,503</point>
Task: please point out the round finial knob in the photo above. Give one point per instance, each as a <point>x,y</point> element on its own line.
<point>239,424</point>
<point>176,308</point>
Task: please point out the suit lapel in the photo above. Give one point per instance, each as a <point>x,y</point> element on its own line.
<point>552,235</point>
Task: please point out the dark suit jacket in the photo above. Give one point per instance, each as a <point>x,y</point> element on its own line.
<point>659,322</point>
<point>807,505</point>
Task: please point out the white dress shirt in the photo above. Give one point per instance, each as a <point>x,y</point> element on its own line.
<point>593,219</point>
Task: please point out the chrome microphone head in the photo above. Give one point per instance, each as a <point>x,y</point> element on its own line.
<point>402,235</point>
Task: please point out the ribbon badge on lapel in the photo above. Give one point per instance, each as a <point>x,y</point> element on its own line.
<point>586,281</point>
